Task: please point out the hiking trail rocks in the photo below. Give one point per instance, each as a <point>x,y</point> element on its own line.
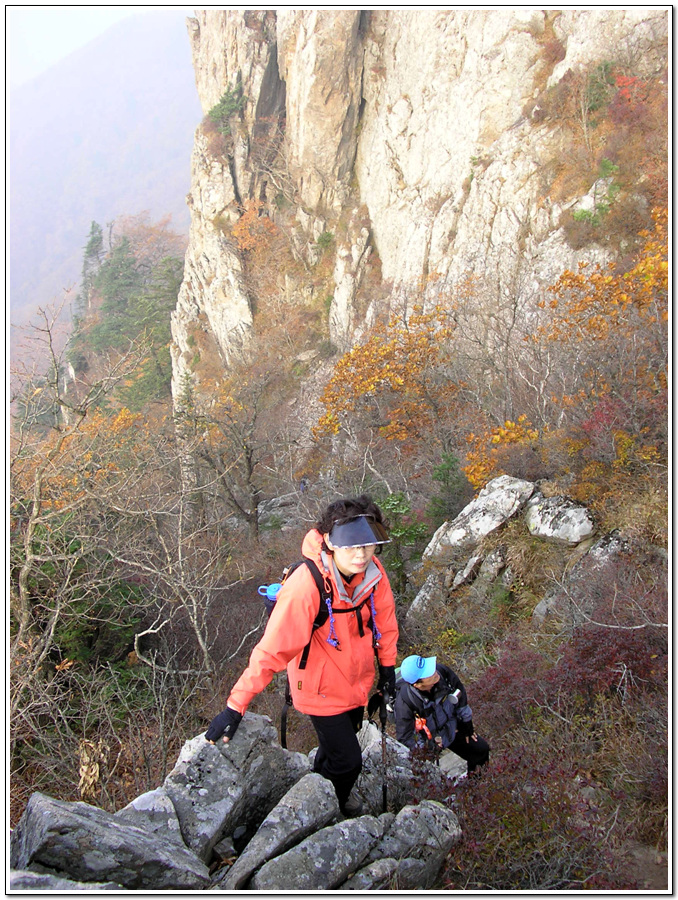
<point>181,836</point>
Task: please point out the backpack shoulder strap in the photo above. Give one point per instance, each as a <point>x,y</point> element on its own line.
<point>323,614</point>
<point>403,691</point>
<point>321,617</point>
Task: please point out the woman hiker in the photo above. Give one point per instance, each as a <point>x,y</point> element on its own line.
<point>431,709</point>
<point>333,685</point>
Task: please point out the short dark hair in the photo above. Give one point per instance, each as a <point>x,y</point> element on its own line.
<point>341,511</point>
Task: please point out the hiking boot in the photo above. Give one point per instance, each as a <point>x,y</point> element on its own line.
<point>352,808</point>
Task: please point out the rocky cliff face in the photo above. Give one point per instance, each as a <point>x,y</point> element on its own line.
<point>414,136</point>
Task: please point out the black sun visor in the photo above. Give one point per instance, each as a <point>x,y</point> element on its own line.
<point>358,532</point>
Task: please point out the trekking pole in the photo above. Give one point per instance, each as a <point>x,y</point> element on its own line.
<point>383,715</point>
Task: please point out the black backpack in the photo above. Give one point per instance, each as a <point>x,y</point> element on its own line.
<point>322,616</point>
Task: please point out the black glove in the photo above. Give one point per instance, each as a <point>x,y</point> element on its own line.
<point>373,705</point>
<point>387,681</point>
<point>465,728</point>
<point>225,723</point>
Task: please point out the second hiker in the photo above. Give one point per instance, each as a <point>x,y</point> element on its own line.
<point>332,683</point>
<point>431,710</point>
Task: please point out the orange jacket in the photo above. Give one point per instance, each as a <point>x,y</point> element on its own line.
<point>333,681</point>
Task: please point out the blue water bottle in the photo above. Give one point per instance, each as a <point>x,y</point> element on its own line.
<point>270,594</point>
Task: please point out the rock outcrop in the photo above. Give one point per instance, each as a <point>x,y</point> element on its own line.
<point>412,135</point>
<point>89,845</point>
<point>266,800</point>
<point>559,519</point>
<point>454,556</point>
<point>496,503</point>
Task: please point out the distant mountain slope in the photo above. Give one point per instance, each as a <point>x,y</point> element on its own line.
<point>106,132</point>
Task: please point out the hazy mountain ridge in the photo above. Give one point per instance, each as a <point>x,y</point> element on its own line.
<point>104,133</point>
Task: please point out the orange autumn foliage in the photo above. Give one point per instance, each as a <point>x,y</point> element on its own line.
<point>253,230</point>
<point>612,328</point>
<point>71,465</point>
<point>395,382</point>
<point>484,455</point>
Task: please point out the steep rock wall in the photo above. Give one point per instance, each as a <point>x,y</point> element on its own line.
<point>415,128</point>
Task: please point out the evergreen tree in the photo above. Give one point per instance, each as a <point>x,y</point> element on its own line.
<point>149,314</point>
<point>453,493</point>
<point>118,282</point>
<point>93,256</point>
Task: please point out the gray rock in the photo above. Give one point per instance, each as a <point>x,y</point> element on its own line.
<point>496,503</point>
<point>413,875</point>
<point>89,844</point>
<point>154,812</point>
<point>218,792</point>
<point>558,519</point>
<point>468,572</point>
<point>215,788</point>
<point>492,565</point>
<point>432,589</point>
<point>398,772</point>
<point>389,874</point>
<point>225,849</point>
<point>279,512</point>
<point>322,861</point>
<point>499,500</point>
<point>426,832</point>
<point>452,765</point>
<point>307,807</point>
<point>377,876</point>
<point>37,881</point>
<point>207,793</point>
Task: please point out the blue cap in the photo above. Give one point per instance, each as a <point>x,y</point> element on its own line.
<point>414,668</point>
<point>361,531</point>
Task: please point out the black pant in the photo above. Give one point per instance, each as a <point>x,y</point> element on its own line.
<point>476,753</point>
<point>339,758</point>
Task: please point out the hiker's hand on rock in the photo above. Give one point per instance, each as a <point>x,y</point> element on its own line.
<point>225,723</point>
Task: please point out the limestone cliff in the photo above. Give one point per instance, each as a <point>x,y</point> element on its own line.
<point>414,137</point>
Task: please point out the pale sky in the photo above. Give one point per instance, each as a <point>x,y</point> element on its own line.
<point>39,36</point>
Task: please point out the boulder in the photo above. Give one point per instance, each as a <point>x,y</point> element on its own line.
<point>496,503</point>
<point>377,876</point>
<point>216,787</point>
<point>308,806</point>
<point>87,844</point>
<point>575,597</point>
<point>154,812</point>
<point>455,542</point>
<point>323,860</point>
<point>492,566</point>
<point>279,512</point>
<point>398,773</point>
<point>254,807</point>
<point>23,880</point>
<point>420,837</point>
<point>431,590</point>
<point>558,519</point>
<point>468,572</point>
<point>453,766</point>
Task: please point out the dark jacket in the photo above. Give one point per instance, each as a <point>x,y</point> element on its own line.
<point>438,706</point>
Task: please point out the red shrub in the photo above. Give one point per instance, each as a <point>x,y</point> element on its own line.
<point>527,827</point>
